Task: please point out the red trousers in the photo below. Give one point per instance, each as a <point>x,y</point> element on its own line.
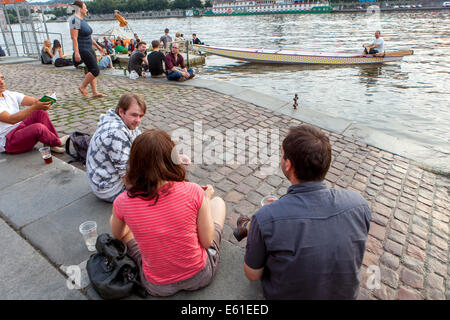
<point>37,127</point>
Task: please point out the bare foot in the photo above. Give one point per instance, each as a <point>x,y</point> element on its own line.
<point>84,92</point>
<point>99,95</point>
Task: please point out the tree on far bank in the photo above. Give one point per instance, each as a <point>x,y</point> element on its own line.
<point>180,4</point>
<point>108,6</point>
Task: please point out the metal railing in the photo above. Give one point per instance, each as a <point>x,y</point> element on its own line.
<point>29,46</point>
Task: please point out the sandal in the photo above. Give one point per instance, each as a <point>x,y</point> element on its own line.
<point>84,92</point>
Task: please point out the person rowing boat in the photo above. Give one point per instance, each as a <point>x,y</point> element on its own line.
<point>376,47</point>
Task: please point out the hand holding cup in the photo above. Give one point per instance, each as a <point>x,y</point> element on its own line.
<point>209,191</point>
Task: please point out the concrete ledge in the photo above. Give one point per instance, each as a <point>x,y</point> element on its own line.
<point>229,283</point>
<point>58,200</point>
<point>318,119</point>
<point>15,60</point>
<point>261,100</point>
<point>217,86</point>
<point>17,168</point>
<point>400,146</point>
<point>57,233</point>
<point>24,274</point>
<point>41,194</point>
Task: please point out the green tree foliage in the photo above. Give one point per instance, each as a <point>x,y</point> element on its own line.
<point>108,6</point>
<point>180,4</point>
<point>158,5</point>
<point>59,12</point>
<point>12,18</point>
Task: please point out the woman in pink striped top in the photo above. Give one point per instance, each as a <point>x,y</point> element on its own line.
<point>172,227</point>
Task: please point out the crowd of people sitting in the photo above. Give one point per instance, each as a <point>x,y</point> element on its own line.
<point>156,63</point>
<point>309,244</point>
<point>54,55</point>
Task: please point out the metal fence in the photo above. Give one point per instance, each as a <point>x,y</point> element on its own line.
<point>29,43</point>
<point>29,39</point>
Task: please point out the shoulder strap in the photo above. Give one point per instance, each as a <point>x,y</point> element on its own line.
<point>73,155</point>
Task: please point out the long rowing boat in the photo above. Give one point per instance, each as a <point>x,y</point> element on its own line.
<point>291,56</point>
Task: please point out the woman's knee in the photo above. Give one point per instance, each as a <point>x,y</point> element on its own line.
<point>95,71</point>
<point>218,205</point>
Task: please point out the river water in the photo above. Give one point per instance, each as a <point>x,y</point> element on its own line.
<point>409,99</point>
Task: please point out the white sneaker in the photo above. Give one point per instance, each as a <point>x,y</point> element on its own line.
<point>58,149</point>
<point>63,140</point>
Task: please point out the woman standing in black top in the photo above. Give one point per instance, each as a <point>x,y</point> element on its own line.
<point>81,34</point>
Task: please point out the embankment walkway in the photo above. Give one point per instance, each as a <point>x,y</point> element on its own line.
<point>42,206</point>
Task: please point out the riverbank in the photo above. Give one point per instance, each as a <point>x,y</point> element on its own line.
<point>181,14</point>
<point>408,238</point>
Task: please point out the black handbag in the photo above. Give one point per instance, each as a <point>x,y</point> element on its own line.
<point>62,62</point>
<point>113,274</point>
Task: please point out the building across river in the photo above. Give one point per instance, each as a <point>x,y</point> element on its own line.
<point>255,7</point>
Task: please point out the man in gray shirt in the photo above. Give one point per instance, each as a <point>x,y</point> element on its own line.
<point>165,39</point>
<point>310,243</point>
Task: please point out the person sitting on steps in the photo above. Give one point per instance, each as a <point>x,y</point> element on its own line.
<point>138,59</point>
<point>176,70</point>
<point>21,130</point>
<point>172,227</point>
<point>155,60</point>
<point>46,53</point>
<point>109,148</point>
<point>310,243</point>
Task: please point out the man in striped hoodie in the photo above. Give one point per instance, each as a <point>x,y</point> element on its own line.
<point>109,148</point>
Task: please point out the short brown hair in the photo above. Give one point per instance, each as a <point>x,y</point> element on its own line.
<point>150,163</point>
<point>78,3</point>
<point>140,43</point>
<point>127,98</point>
<point>309,151</point>
<point>155,44</point>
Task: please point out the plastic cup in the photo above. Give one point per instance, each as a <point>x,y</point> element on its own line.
<point>89,231</point>
<point>46,155</point>
<point>268,199</point>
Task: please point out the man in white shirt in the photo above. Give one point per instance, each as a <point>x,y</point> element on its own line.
<point>376,47</point>
<point>21,130</point>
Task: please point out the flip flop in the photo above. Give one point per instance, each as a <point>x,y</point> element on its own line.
<point>84,92</point>
<point>99,95</point>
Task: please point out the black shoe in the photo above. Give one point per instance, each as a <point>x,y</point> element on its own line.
<point>241,231</point>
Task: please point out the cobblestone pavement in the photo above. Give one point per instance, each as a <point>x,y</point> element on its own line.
<point>409,233</point>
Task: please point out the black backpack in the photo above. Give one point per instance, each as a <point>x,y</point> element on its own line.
<point>80,142</point>
<point>61,62</point>
<point>113,274</point>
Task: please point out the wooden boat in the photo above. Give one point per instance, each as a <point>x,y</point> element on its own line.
<point>292,56</point>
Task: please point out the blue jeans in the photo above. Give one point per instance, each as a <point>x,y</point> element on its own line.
<point>371,51</point>
<point>175,75</point>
